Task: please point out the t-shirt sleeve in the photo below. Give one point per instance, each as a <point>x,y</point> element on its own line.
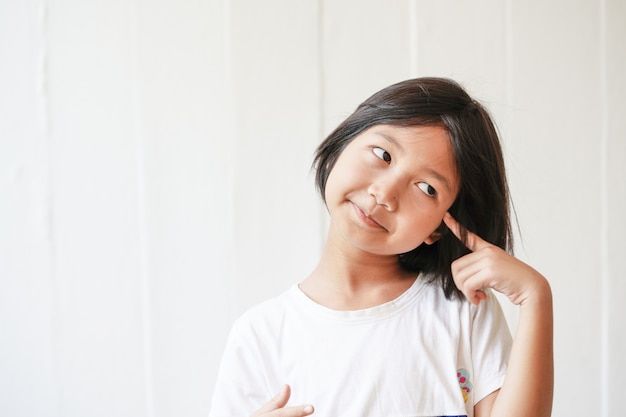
<point>240,386</point>
<point>491,345</point>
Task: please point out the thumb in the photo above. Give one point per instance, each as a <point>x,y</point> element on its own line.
<point>282,397</point>
<point>279,401</point>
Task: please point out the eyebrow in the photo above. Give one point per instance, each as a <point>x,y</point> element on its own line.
<point>430,171</point>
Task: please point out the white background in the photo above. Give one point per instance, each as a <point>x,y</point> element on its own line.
<point>155,181</point>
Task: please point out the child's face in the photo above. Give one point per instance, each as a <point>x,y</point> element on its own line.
<point>391,186</point>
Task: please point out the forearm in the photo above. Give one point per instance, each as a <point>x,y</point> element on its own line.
<point>529,383</point>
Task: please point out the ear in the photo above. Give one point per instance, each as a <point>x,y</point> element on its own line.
<point>434,236</point>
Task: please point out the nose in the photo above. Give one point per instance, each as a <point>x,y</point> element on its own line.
<point>385,192</point>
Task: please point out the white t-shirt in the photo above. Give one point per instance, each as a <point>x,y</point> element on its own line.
<point>418,355</point>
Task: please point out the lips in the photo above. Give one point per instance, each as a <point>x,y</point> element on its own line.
<point>368,220</point>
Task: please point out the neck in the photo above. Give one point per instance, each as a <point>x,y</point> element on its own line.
<point>352,279</point>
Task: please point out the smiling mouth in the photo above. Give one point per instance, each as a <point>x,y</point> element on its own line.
<point>367,219</point>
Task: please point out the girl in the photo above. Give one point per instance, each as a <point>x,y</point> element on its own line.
<point>398,318</point>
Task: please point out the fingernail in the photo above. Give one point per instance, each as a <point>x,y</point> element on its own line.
<point>308,409</point>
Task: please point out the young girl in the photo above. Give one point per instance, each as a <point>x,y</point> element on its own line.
<point>399,318</point>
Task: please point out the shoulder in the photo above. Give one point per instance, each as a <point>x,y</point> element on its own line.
<point>267,314</point>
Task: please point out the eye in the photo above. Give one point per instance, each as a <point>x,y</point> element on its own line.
<point>428,189</point>
<point>382,154</point>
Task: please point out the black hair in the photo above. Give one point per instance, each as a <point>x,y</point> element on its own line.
<point>482,203</point>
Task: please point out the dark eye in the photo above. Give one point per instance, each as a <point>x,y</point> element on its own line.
<point>382,154</point>
<point>427,189</point>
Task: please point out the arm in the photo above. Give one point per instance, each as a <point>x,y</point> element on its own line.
<point>529,382</point>
<point>528,385</point>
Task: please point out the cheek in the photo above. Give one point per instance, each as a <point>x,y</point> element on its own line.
<point>331,186</point>
<point>335,188</point>
<point>427,222</point>
<point>343,179</point>
<point>434,225</point>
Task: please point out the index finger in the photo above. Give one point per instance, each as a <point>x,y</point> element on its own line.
<point>473,241</point>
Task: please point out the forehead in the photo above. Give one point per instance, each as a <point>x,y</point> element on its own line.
<point>422,142</point>
<point>410,134</point>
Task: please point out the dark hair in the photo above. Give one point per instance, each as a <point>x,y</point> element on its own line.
<point>482,203</point>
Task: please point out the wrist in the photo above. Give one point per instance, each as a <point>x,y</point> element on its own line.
<point>539,294</point>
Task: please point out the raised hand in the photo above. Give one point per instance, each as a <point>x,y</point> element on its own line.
<point>529,383</point>
<point>488,266</point>
<point>276,406</point>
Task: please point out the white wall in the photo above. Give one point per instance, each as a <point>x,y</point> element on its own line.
<point>155,182</point>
